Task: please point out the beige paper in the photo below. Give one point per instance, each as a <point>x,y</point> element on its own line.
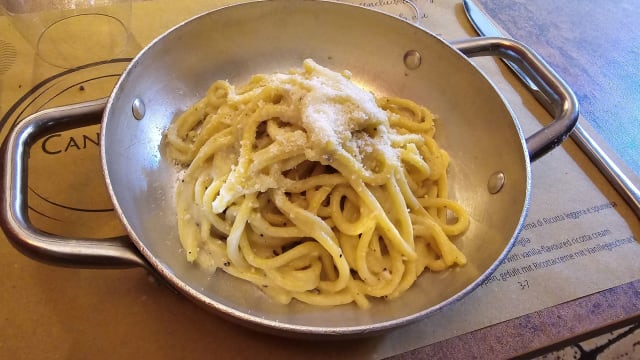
<point>579,236</point>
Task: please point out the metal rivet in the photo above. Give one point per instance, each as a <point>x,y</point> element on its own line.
<point>138,109</point>
<point>496,182</point>
<point>412,59</point>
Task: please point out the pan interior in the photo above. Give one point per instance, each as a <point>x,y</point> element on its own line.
<point>474,126</point>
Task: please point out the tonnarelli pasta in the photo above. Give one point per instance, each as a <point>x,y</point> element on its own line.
<point>312,188</point>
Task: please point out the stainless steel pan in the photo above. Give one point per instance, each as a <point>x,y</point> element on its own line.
<point>489,175</point>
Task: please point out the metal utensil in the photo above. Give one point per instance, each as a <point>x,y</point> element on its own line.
<point>623,185</point>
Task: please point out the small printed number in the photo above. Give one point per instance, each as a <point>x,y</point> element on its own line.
<point>524,284</point>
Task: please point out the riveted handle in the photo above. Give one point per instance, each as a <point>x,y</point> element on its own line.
<point>547,87</point>
<point>116,252</point>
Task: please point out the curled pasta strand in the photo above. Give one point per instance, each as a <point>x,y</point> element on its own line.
<point>343,223</point>
<point>323,234</point>
<point>461,215</point>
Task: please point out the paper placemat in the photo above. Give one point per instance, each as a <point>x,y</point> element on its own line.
<point>579,236</point>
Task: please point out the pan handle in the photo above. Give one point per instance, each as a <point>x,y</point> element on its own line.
<point>550,90</point>
<point>116,252</point>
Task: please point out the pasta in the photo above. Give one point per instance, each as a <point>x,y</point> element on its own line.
<point>313,189</point>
